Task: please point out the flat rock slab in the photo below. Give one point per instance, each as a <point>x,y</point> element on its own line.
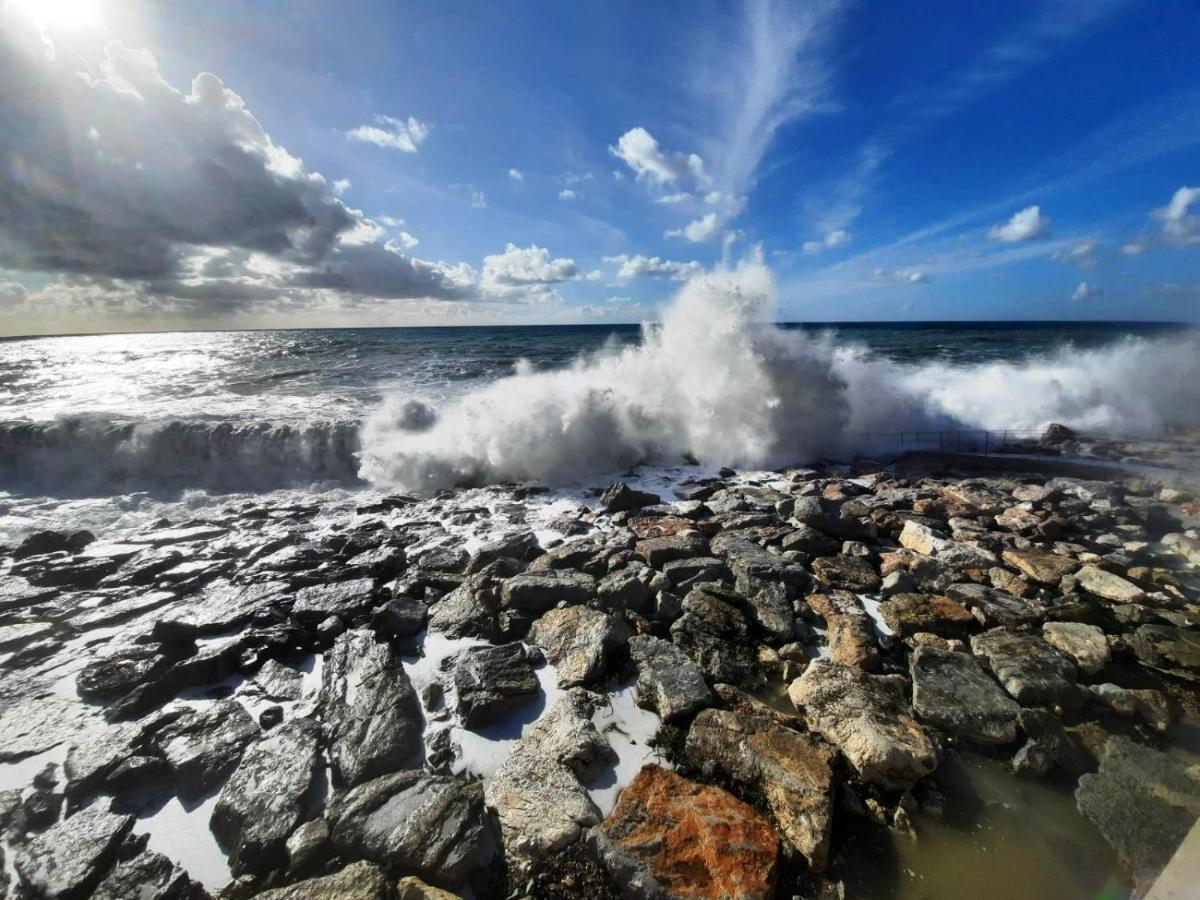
<point>148,876</point>
<point>203,748</point>
<point>993,607</point>
<point>490,682</point>
<point>372,718</point>
<point>868,718</point>
<point>1167,647</point>
<point>576,640</point>
<point>1040,566</point>
<point>668,682</point>
<point>847,573</point>
<point>715,634</point>
<point>1033,672</point>
<point>952,692</point>
<point>658,551</point>
<point>908,614</point>
<point>539,593</point>
<point>1108,586</point>
<point>345,599</point>
<point>358,881</point>
<point>68,860</point>
<point>1143,801</point>
<point>1085,644</point>
<point>851,633</point>
<point>670,837</point>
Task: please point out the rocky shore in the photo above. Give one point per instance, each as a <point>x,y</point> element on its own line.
<point>496,693</point>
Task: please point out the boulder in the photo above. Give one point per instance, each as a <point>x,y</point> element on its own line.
<point>490,682</point>
<point>120,670</point>
<point>538,593</point>
<point>1033,672</point>
<point>469,610</point>
<point>277,681</point>
<point>954,554</point>
<point>748,559</point>
<point>1144,802</point>
<point>357,881</point>
<point>1146,704</point>
<point>668,682</point>
<point>993,607</point>
<point>714,633</point>
<point>1108,586</point>
<point>951,692</point>
<point>411,821</point>
<point>847,573</point>
<point>658,551</point>
<point>577,641</point>
<point>625,589</point>
<point>907,614</point>
<point>851,633</point>
<point>413,888</point>
<point>262,802</point>
<point>70,858</point>
<point>148,876</point>
<point>670,837</point>
<point>522,547</point>
<point>765,602</point>
<point>868,719</point>
<point>371,716</point>
<point>1040,566</point>
<point>792,771</point>
<point>203,748</point>
<point>829,517</point>
<point>346,599</point>
<point>620,497</point>
<point>399,618</point>
<point>1167,647</point>
<point>1087,645</point>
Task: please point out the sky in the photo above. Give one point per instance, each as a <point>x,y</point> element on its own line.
<point>296,164</point>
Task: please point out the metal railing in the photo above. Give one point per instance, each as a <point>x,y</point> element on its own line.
<point>965,440</point>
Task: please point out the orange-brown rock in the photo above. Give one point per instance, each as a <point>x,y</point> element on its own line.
<point>851,636</point>
<point>670,836</point>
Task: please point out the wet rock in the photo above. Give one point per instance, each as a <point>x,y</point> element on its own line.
<point>620,497</point>
<point>120,671</point>
<point>1108,586</point>
<point>42,542</point>
<point>1167,647</point>
<point>951,692</point>
<point>1145,704</point>
<point>307,844</point>
<point>659,551</point>
<point>657,526</point>
<point>682,574</point>
<point>993,607</point>
<point>148,876</point>
<point>1049,746</point>
<point>468,611</point>
<point>577,641</point>
<point>490,682</point>
<point>768,608</point>
<point>1033,672</point>
<point>399,618</point>
<point>1144,802</point>
<point>24,633</point>
<point>792,771</point>
<point>221,607</point>
<point>522,547</point>
<point>625,589</point>
<point>412,821</point>
<point>713,632</point>
<point>1085,644</point>
<point>203,748</point>
<point>1040,566</point>
<point>536,792</point>
<point>670,837</point>
<point>748,559</point>
<point>868,718</point>
<point>668,682</point>
<point>69,859</point>
<point>535,594</point>
<point>444,559</point>
<point>357,881</point>
<point>261,803</point>
<point>372,719</point>
<point>809,540</point>
<point>277,681</point>
<point>851,634</point>
<point>907,614</point>
<point>17,593</point>
<point>847,573</point>
<point>346,599</point>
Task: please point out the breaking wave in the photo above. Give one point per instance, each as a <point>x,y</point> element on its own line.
<point>716,383</point>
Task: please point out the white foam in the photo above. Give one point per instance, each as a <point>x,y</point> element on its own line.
<point>179,831</point>
<point>629,729</point>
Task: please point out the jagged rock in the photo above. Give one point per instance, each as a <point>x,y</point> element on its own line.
<point>620,497</point>
<point>585,556</point>
<point>372,719</point>
<point>536,594</point>
<point>468,611</point>
<point>829,517</point>
<point>993,607</point>
<point>809,540</point>
<point>70,858</point>
<point>136,772</point>
<point>203,748</point>
<point>444,559</point>
<point>1108,586</point>
<point>625,589</point>
<point>867,717</point>
<point>685,573</point>
<point>907,614</point>
<point>42,542</point>
<point>148,876</point>
<point>851,635</point>
<point>1144,802</point>
<point>221,606</point>
<point>767,606</point>
<point>308,843</point>
<point>668,682</point>
<point>659,551</point>
<point>670,837</point>
<point>657,526</point>
<point>576,640</point>
<point>1167,647</point>
<point>1040,566</point>
<point>277,681</point>
<point>1033,672</point>
<point>1148,705</point>
<point>120,671</point>
<point>490,682</point>
<point>1050,745</point>
<point>411,821</point>
<point>261,803</point>
<point>927,542</point>
<point>346,599</point>
<point>358,881</point>
<point>951,692</point>
<point>714,634</point>
<point>1017,519</point>
<point>847,573</point>
<point>792,771</point>
<point>536,792</point>
<point>522,547</point>
<point>1085,644</point>
<point>17,593</point>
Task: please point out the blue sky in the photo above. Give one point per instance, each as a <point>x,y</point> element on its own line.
<point>429,162</point>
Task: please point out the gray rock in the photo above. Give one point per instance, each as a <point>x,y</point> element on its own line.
<point>809,540</point>
<point>490,682</point>
<point>577,641</point>
<point>620,497</point>
<point>668,682</point>
<point>536,594</point>
<point>682,574</point>
<point>469,610</point>
<point>121,670</point>
<point>307,844</point>
<point>714,633</point>
<point>829,517</point>
<point>203,748</point>
<point>746,558</point>
<point>1108,586</point>
<point>1033,672</point>
<point>262,802</point>
<point>412,821</point>
<point>70,858</point>
<point>1085,644</point>
<point>401,617</point>
<point>847,573</point>
<point>346,599</point>
<point>523,547</point>
<point>1167,647</point>
<point>1146,704</point>
<point>625,589</point>
<point>277,681</point>
<point>372,719</point>
<point>767,605</point>
<point>148,876</point>
<point>951,692</point>
<point>992,607</point>
<point>658,551</point>
<point>222,606</point>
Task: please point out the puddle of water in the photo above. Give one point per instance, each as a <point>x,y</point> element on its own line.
<point>179,831</point>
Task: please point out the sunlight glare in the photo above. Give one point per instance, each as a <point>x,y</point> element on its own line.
<point>60,13</point>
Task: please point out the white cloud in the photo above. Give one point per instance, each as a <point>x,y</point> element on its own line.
<point>1085,292</point>
<point>567,194</point>
<point>671,199</point>
<point>393,133</point>
<point>1134,248</point>
<point>1025,225</point>
<point>638,149</point>
<point>516,175</point>
<point>339,187</point>
<point>902,276</point>
<point>653,267</point>
<point>1081,254</point>
<point>12,294</point>
<point>525,273</point>
<point>406,240</point>
<point>478,200</point>
<point>698,231</point>
<point>1179,224</point>
<point>594,275</point>
<point>835,238</point>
